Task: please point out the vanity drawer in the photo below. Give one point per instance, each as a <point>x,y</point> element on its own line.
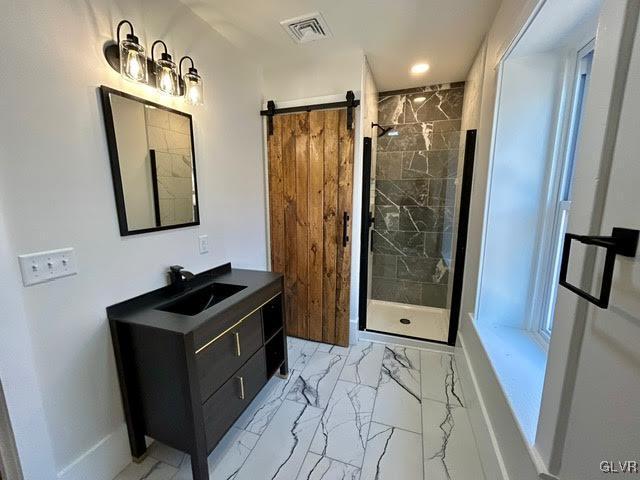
<point>226,405</point>
<point>217,361</point>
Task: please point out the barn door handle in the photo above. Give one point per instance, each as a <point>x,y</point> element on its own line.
<point>345,228</point>
<point>623,241</point>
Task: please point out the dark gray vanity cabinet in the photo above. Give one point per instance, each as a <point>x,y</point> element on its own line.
<point>186,378</point>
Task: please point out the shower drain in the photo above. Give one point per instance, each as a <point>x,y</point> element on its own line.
<point>405,321</point>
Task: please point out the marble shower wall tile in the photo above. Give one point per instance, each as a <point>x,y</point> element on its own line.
<point>415,192</point>
<point>425,270</point>
<point>384,266</point>
<point>398,291</point>
<point>343,429</point>
<point>389,165</point>
<point>427,164</point>
<point>387,217</point>
<point>392,454</point>
<point>425,219</point>
<point>363,364</point>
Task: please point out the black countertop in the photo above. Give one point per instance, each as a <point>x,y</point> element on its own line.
<point>142,310</point>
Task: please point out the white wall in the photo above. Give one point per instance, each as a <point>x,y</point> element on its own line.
<point>530,88</point>
<point>56,190</point>
<point>322,76</point>
<point>509,20</point>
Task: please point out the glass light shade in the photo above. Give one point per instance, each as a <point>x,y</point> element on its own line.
<point>166,76</point>
<point>193,91</point>
<point>133,61</point>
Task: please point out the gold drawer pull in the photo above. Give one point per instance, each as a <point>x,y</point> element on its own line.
<point>238,352</point>
<point>241,387</point>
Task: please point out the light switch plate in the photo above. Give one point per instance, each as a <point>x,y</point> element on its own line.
<point>43,267</point>
<point>203,243</point>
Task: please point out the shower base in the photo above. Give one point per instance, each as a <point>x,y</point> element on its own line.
<point>428,323</point>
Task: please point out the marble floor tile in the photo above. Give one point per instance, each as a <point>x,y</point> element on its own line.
<point>450,450</point>
<point>363,364</point>
<point>263,408</point>
<point>282,448</point>
<point>342,433</point>
<point>335,349</point>
<point>316,467</point>
<point>148,469</point>
<point>316,381</point>
<point>397,356</point>
<point>398,401</point>
<point>299,352</point>
<point>392,454</point>
<point>165,454</point>
<point>227,458</point>
<point>440,378</point>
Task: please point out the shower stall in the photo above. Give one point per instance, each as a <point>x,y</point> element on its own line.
<point>418,168</point>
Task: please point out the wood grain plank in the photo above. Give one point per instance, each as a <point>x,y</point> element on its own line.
<point>330,233</point>
<point>302,217</point>
<point>316,222</point>
<point>276,198</point>
<point>345,200</point>
<point>290,220</point>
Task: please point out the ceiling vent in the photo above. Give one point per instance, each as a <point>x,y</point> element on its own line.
<point>307,28</point>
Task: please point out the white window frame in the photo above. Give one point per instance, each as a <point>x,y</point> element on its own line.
<point>558,201</point>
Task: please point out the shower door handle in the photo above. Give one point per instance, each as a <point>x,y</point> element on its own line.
<point>345,228</point>
<point>622,241</point>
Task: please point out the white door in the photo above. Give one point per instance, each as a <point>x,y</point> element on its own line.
<point>590,416</point>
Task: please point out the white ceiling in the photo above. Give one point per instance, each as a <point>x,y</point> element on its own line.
<point>393,34</point>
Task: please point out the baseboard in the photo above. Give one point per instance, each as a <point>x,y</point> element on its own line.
<point>103,461</point>
<point>354,331</point>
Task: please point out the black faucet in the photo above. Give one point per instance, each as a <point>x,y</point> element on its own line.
<point>178,275</point>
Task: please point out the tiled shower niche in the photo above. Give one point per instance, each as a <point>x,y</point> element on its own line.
<point>415,194</point>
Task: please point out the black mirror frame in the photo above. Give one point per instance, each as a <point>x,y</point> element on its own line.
<point>116,174</point>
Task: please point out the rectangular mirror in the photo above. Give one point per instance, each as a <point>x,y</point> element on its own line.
<point>152,162</point>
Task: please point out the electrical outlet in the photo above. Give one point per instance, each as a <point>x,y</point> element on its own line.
<point>46,266</point>
<point>203,242</point>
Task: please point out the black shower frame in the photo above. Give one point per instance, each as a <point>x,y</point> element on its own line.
<point>461,242</point>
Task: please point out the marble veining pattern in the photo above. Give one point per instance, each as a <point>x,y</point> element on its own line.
<point>342,434</point>
<point>391,412</point>
<point>415,192</point>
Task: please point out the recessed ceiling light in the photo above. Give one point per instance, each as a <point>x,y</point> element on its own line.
<point>419,99</point>
<point>419,68</point>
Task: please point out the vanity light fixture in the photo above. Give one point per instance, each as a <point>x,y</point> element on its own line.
<point>165,67</point>
<point>191,84</point>
<point>133,61</point>
<point>127,56</point>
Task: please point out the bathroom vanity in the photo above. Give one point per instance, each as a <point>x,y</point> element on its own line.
<point>192,356</point>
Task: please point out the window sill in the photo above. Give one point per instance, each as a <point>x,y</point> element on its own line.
<point>519,362</point>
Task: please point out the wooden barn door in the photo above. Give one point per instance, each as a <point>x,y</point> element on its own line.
<point>310,196</point>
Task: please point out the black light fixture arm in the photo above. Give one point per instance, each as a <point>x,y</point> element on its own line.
<point>132,34</point>
<point>192,68</point>
<point>165,54</point>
